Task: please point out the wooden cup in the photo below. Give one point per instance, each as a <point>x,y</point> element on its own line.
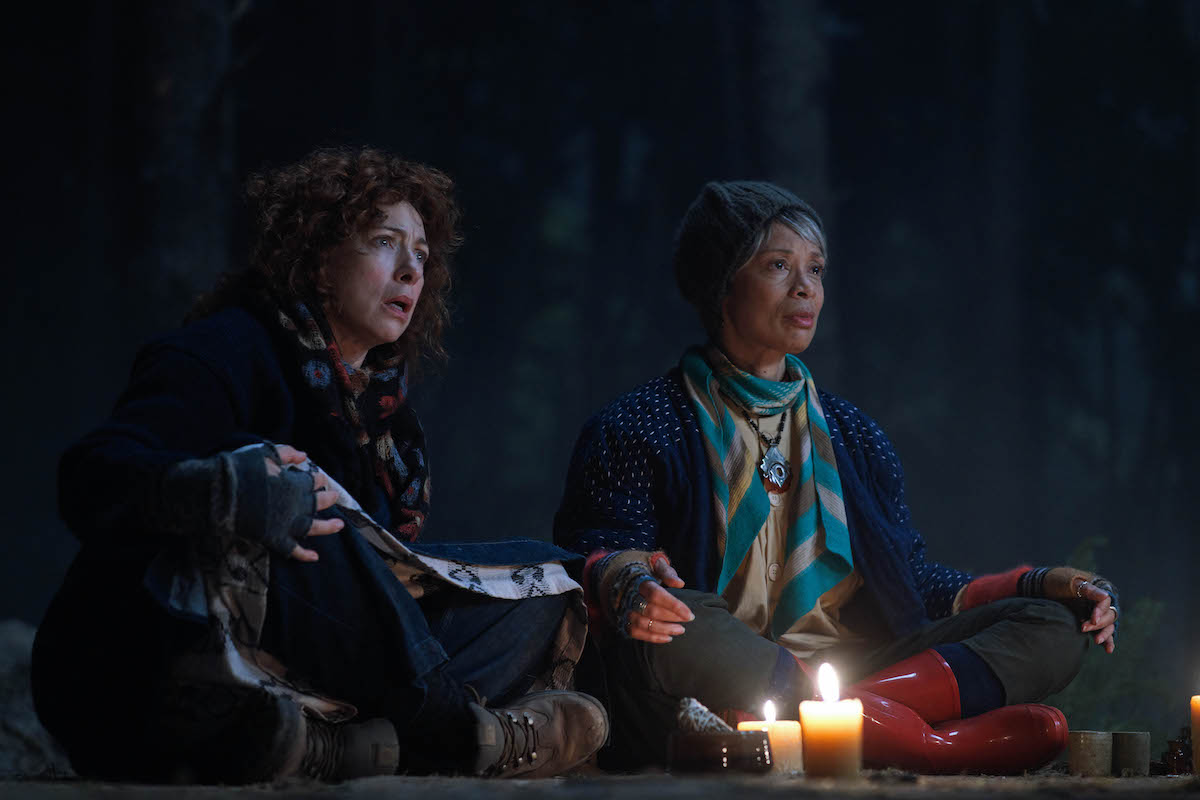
<point>1091,753</point>
<point>1130,754</point>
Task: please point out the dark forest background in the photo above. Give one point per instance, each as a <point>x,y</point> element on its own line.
<point>1012,190</point>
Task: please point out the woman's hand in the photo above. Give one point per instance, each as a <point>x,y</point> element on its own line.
<point>1092,597</point>
<point>325,498</point>
<point>659,620</point>
<point>1103,621</point>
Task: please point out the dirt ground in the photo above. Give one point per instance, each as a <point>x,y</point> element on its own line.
<point>26,749</point>
<point>651,787</point>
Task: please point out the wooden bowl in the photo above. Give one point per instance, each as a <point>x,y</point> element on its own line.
<point>736,751</point>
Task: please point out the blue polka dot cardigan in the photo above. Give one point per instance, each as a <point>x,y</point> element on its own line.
<point>639,479</point>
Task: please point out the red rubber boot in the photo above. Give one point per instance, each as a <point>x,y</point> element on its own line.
<point>1006,741</point>
<point>924,682</point>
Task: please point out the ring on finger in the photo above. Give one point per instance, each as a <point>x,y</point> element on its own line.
<point>1116,613</point>
<point>1079,588</point>
<point>640,603</point>
<point>649,624</point>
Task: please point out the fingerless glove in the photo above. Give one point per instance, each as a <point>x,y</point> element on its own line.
<point>235,493</point>
<point>612,581</point>
<point>1051,583</point>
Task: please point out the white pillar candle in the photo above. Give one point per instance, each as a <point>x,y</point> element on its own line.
<point>832,731</point>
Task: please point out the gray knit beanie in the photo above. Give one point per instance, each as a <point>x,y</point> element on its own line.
<point>716,235</point>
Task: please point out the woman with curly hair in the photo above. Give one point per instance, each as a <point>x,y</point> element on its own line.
<point>249,602</point>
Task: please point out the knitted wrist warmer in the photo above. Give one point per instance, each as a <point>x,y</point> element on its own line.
<point>612,581</point>
<point>596,616</point>
<point>235,494</point>
<point>989,588</point>
<point>1052,583</point>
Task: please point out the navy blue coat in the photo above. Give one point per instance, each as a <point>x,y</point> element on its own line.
<point>639,479</point>
<point>214,385</point>
<point>108,638</point>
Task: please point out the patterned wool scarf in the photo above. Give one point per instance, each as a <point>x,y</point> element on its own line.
<point>369,414</point>
<point>818,542</point>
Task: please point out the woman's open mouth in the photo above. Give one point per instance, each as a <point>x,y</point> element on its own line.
<point>400,306</point>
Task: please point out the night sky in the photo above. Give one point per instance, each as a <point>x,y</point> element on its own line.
<point>1013,199</point>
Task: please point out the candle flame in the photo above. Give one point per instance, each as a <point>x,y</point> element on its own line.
<point>769,711</point>
<point>827,682</point>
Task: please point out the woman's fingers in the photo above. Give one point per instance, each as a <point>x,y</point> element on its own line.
<point>658,622</point>
<point>1102,621</point>
<point>666,574</point>
<point>662,605</point>
<point>1108,638</point>
<point>645,629</point>
<point>325,499</point>
<point>304,554</point>
<point>1102,614</point>
<point>652,625</point>
<point>289,454</point>
<point>1105,619</point>
<point>1092,592</point>
<point>324,527</point>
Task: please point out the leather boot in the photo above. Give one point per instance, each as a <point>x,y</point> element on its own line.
<point>216,733</point>
<point>1007,741</point>
<point>540,735</point>
<point>924,682</point>
<point>346,750</point>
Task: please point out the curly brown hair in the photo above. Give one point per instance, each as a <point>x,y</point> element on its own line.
<point>301,212</point>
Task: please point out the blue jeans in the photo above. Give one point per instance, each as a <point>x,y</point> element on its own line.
<point>352,631</point>
<point>106,648</point>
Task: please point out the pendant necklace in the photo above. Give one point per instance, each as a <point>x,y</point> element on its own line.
<point>773,467</point>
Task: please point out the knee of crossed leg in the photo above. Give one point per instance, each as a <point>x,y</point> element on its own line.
<point>718,660</point>
<point>1062,644</point>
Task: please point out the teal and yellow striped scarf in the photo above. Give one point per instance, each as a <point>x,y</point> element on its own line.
<point>818,543</point>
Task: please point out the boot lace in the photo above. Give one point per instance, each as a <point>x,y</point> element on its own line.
<point>323,748</point>
<point>520,742</point>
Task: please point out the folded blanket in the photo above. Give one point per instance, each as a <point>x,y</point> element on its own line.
<point>222,579</point>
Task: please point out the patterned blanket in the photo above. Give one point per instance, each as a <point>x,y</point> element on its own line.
<point>226,582</point>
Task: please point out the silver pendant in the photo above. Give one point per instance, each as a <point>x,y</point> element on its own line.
<point>774,467</point>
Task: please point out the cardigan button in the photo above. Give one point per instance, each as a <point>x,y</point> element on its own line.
<point>773,572</point>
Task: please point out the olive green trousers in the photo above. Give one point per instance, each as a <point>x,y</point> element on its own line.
<point>1034,647</point>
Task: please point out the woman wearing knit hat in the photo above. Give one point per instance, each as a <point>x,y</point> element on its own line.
<point>742,525</point>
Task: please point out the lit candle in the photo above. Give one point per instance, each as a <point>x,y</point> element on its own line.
<point>1196,734</point>
<point>832,731</point>
<point>784,736</point>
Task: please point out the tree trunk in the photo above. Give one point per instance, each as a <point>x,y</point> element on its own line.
<point>790,124</point>
<point>184,179</point>
<point>1003,318</point>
